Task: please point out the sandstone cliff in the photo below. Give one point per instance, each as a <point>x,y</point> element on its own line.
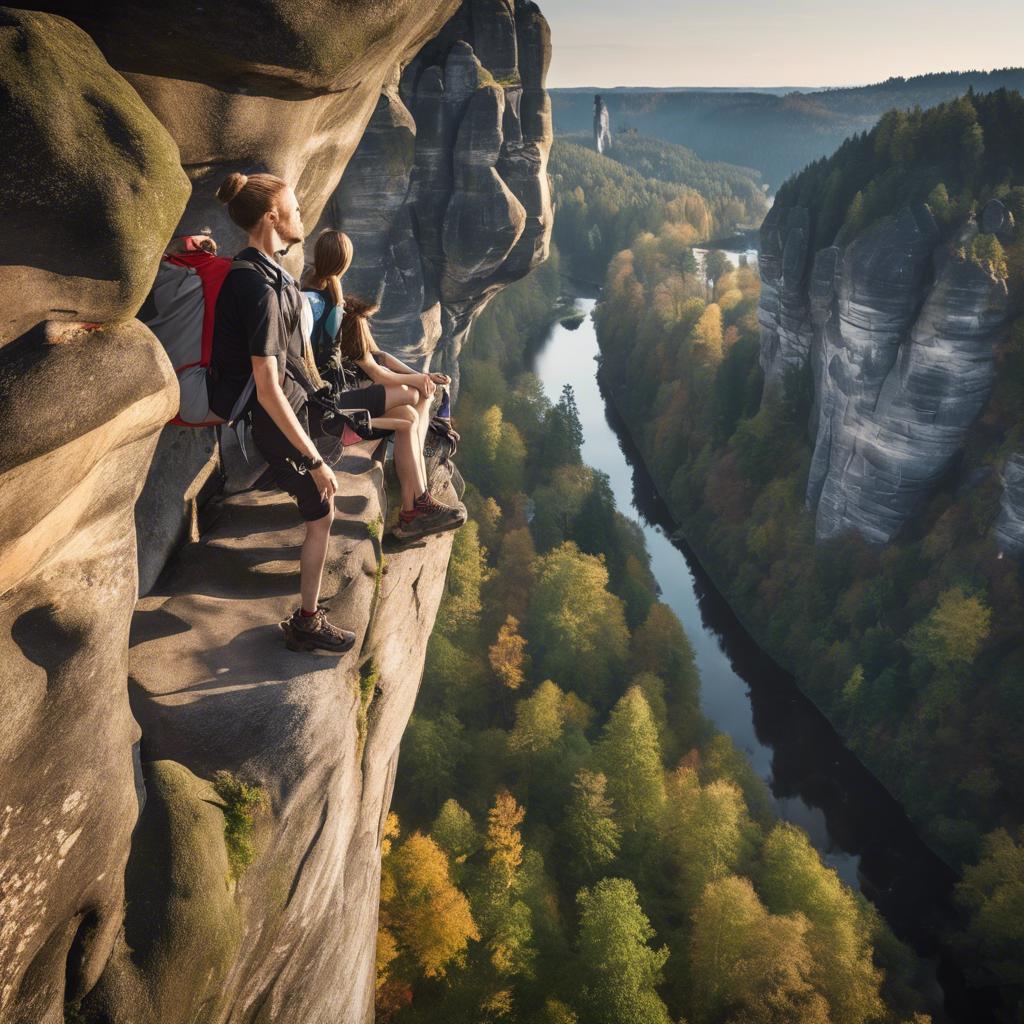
<point>900,333</point>
<point>447,197</point>
<point>116,135</point>
<point>602,125</point>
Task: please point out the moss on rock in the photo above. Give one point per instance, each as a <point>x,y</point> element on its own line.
<point>91,186</point>
<point>181,923</point>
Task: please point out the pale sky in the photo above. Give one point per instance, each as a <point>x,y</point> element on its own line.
<point>776,42</point>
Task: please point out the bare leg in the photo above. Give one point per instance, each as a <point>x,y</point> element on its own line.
<point>423,411</point>
<point>409,467</point>
<point>400,394</point>
<point>312,559</point>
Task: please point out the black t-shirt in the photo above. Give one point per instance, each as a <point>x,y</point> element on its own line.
<point>250,320</point>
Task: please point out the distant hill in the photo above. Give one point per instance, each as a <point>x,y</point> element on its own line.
<point>735,193</point>
<point>775,134</point>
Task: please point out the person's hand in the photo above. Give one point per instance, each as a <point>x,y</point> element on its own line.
<point>429,387</point>
<point>325,480</point>
<point>441,378</point>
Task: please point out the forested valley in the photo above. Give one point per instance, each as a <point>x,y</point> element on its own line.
<point>571,839</point>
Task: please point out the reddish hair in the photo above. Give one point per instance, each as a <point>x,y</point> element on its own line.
<point>249,196</point>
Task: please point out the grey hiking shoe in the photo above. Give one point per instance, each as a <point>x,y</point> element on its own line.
<point>437,519</point>
<point>316,633</point>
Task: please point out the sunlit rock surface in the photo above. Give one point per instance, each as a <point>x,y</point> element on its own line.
<point>1010,525</point>
<point>447,198</point>
<point>900,333</point>
<point>90,187</point>
<point>284,86</point>
<point>602,125</point>
<point>213,688</point>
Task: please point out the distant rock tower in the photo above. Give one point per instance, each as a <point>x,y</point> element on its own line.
<point>602,127</point>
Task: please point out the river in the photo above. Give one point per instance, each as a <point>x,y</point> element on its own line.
<point>815,782</point>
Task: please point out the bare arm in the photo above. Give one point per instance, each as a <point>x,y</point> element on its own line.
<point>385,375</point>
<point>396,364</point>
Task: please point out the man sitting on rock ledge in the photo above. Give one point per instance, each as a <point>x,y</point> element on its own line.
<point>257,312</point>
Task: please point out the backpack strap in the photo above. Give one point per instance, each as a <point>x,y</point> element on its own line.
<point>239,411</point>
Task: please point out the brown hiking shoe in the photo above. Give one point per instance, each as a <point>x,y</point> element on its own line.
<point>435,518</point>
<point>315,632</point>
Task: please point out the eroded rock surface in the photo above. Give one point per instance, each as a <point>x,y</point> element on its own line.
<point>783,311</point>
<point>284,86</point>
<point>1010,525</point>
<point>900,332</point>
<point>90,186</point>
<point>447,197</point>
<point>602,125</point>
<point>214,689</point>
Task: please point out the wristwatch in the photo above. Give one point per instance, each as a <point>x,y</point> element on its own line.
<point>308,463</point>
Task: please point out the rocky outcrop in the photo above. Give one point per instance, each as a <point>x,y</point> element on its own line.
<point>214,690</point>
<point>92,186</point>
<point>602,125</point>
<point>783,311</point>
<point>283,86</point>
<point>1010,524</point>
<point>447,198</point>
<point>900,329</point>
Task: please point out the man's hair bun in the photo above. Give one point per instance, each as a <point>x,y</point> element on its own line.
<point>231,186</point>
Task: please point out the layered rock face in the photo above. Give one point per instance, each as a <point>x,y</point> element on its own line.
<point>447,198</point>
<point>92,187</point>
<point>1010,525</point>
<point>213,689</point>
<point>901,335</point>
<point>783,311</point>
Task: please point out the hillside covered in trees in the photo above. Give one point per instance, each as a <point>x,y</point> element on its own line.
<point>776,134</point>
<point>603,202</point>
<point>572,841</point>
<point>913,649</point>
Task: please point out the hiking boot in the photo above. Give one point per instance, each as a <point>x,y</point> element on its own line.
<point>429,519</point>
<point>315,632</point>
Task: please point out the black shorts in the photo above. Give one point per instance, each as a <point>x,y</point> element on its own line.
<point>281,457</point>
<point>373,397</point>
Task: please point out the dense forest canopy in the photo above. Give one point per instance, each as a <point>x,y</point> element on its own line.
<point>602,203</point>
<point>953,156</point>
<point>572,841</point>
<point>913,650</point>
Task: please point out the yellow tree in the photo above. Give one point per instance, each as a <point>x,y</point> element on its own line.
<point>747,965</point>
<point>707,334</point>
<point>428,916</point>
<point>508,653</point>
<point>706,829</point>
<point>539,721</point>
<point>795,881</point>
<point>504,841</point>
<point>954,631</point>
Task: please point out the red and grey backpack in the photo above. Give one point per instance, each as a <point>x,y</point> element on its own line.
<point>180,309</point>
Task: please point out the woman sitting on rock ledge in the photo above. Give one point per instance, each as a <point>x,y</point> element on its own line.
<point>397,397</point>
<point>403,396</point>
